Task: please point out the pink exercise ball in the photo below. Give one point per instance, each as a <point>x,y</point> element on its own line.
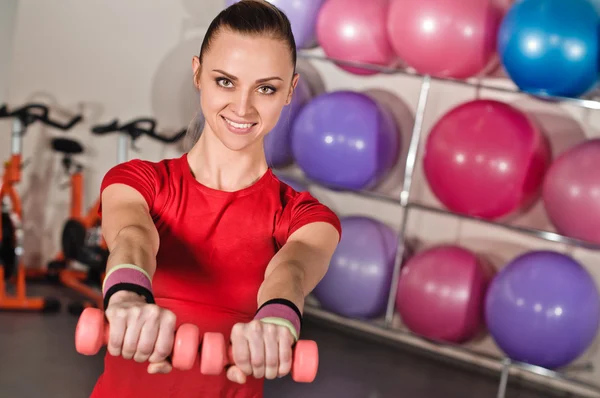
<point>571,192</point>
<point>441,293</point>
<point>486,159</point>
<point>445,38</point>
<point>355,30</point>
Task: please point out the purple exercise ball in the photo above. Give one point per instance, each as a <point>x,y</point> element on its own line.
<point>358,281</point>
<point>277,143</point>
<point>345,140</point>
<point>543,308</point>
<point>303,18</point>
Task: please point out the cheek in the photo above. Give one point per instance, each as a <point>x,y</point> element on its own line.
<point>212,101</point>
<point>270,111</point>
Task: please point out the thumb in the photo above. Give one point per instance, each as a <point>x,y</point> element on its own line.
<point>163,367</point>
<point>236,375</point>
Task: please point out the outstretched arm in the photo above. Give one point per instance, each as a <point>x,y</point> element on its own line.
<point>263,348</point>
<point>300,264</point>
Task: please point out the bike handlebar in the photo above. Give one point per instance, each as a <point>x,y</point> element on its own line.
<point>31,113</point>
<point>135,131</point>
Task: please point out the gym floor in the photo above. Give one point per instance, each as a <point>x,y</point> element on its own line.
<point>39,360</point>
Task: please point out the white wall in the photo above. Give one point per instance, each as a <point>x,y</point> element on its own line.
<point>129,59</point>
<point>8,11</point>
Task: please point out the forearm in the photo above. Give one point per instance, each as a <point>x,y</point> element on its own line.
<point>286,281</point>
<point>133,245</point>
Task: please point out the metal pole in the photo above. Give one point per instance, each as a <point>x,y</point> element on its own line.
<point>411,159</point>
<point>504,378</point>
<point>122,148</point>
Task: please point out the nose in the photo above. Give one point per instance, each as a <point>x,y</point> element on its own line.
<point>243,103</point>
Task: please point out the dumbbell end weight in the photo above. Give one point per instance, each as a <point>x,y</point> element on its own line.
<point>216,355</point>
<point>90,333</point>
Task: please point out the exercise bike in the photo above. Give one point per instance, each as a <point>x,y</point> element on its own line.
<point>11,230</point>
<point>82,239</point>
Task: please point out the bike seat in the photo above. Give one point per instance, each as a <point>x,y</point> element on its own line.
<point>66,146</point>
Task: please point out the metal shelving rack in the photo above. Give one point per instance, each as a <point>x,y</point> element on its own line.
<point>385,329</point>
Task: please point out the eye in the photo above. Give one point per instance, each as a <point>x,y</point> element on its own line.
<point>224,82</point>
<point>268,90</point>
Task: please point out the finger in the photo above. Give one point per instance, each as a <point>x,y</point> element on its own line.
<point>236,375</point>
<point>256,342</point>
<point>240,349</point>
<point>132,334</point>
<point>117,320</point>
<point>148,333</point>
<point>271,341</point>
<point>160,367</point>
<point>286,341</point>
<point>166,337</point>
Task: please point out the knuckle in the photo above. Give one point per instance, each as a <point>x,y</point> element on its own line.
<point>134,312</point>
<point>269,329</point>
<point>152,311</point>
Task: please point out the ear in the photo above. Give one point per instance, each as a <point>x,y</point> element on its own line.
<point>196,68</point>
<point>292,88</point>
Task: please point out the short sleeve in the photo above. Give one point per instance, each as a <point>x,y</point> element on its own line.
<point>301,210</point>
<point>138,174</point>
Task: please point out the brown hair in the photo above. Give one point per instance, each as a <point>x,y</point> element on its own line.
<point>252,17</point>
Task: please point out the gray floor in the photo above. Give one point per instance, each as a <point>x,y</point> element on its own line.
<point>39,360</point>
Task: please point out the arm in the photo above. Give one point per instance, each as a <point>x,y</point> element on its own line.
<point>139,331</point>
<point>300,264</point>
<point>128,229</point>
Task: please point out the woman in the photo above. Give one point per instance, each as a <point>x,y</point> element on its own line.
<point>213,236</point>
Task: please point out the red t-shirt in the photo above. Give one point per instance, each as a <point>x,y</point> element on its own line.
<point>214,249</point>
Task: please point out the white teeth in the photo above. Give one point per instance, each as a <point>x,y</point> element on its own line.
<point>238,125</point>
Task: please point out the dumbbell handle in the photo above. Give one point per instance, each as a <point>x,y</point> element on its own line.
<point>216,355</point>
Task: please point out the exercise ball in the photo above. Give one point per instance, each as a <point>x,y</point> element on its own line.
<point>445,38</point>
<point>355,30</point>
<point>571,192</point>
<point>550,47</point>
<point>486,159</point>
<point>543,308</point>
<point>278,149</point>
<point>441,293</point>
<point>302,15</point>
<point>345,140</point>
<point>357,284</point>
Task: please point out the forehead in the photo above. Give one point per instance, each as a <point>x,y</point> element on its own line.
<point>248,56</point>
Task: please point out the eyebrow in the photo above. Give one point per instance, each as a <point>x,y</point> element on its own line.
<point>264,79</point>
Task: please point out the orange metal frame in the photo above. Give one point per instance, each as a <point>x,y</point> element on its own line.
<point>75,279</point>
<point>20,300</point>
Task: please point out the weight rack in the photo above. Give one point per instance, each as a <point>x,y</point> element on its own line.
<point>385,329</point>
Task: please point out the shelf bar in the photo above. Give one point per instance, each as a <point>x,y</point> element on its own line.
<point>544,235</point>
<point>580,102</point>
<point>409,170</point>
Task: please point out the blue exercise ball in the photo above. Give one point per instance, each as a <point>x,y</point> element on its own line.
<point>550,47</point>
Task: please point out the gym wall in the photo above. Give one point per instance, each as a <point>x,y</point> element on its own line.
<point>8,10</point>
<point>133,58</point>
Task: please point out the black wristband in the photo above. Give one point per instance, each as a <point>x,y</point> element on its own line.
<point>130,287</point>
<point>285,302</point>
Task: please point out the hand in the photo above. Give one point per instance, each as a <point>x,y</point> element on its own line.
<point>140,331</point>
<point>260,350</point>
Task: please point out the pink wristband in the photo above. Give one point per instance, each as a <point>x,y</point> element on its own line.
<point>280,311</point>
<point>126,274</point>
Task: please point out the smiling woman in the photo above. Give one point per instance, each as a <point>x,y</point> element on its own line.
<point>213,237</point>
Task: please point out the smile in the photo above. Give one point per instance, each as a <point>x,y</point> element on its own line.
<point>238,128</point>
<point>238,125</point>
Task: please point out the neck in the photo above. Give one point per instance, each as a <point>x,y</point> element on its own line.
<point>218,167</point>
